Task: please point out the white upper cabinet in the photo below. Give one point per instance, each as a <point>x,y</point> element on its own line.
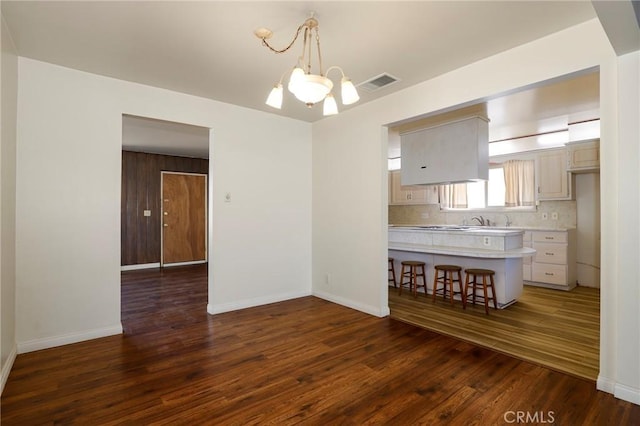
<point>583,157</point>
<point>552,175</point>
<point>453,152</point>
<point>405,194</point>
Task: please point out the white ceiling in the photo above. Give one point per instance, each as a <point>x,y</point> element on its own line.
<point>207,48</point>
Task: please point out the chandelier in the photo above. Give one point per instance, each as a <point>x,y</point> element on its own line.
<point>307,87</point>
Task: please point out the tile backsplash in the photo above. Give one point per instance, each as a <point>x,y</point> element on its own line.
<point>431,214</point>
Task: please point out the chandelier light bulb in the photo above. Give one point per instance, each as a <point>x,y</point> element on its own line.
<point>297,77</point>
<point>349,92</point>
<point>275,97</point>
<point>329,106</point>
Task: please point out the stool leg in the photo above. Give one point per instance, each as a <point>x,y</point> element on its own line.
<point>393,274</point>
<point>484,290</point>
<point>493,292</point>
<point>401,281</point>
<point>414,281</point>
<point>424,281</point>
<point>474,283</point>
<point>465,291</point>
<point>449,282</point>
<point>435,284</point>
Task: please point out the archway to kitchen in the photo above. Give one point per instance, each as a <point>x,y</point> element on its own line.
<point>551,324</point>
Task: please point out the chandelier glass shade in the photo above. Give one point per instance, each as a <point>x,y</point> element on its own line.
<point>307,87</point>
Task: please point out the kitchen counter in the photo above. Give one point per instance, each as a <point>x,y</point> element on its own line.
<point>498,249</point>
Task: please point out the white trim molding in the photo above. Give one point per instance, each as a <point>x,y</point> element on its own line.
<point>6,368</point>
<point>367,309</point>
<point>624,392</point>
<point>66,339</point>
<point>627,393</point>
<point>139,266</point>
<point>193,262</point>
<point>250,303</point>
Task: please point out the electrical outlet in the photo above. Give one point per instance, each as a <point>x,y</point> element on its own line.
<point>545,216</point>
<point>554,216</point>
<point>487,241</point>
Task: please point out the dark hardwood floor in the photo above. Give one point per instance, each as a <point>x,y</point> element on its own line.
<point>299,361</point>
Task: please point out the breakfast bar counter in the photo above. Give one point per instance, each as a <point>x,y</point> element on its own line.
<point>500,250</point>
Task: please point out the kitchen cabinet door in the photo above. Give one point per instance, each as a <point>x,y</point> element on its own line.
<point>405,194</point>
<point>552,175</point>
<point>583,156</point>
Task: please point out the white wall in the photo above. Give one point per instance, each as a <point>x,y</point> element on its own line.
<point>9,82</point>
<point>627,314</point>
<point>349,176</point>
<point>68,206</point>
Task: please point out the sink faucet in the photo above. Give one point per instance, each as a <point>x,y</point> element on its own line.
<point>479,219</point>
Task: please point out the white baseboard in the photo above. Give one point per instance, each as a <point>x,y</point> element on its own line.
<point>627,393</point>
<point>624,392</point>
<point>605,384</point>
<point>6,368</point>
<point>367,309</point>
<point>195,262</point>
<point>250,303</point>
<point>140,266</point>
<point>66,339</point>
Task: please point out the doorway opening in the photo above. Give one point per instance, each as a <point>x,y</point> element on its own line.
<point>519,119</point>
<point>161,156</point>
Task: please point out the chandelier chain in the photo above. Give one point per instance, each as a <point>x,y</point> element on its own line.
<point>295,37</point>
<point>319,54</point>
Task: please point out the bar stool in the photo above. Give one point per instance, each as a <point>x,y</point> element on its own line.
<point>472,276</point>
<point>412,269</point>
<point>392,271</point>
<point>447,279</point>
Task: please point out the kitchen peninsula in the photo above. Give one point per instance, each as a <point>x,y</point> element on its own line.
<point>498,249</point>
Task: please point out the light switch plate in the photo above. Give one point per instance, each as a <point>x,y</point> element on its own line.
<point>147,212</point>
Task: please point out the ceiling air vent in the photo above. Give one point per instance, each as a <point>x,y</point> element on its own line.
<point>378,82</point>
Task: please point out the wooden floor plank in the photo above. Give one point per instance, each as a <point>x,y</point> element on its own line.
<point>302,361</point>
<point>556,329</point>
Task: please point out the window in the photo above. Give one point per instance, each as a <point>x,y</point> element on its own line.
<point>489,193</point>
<point>510,184</point>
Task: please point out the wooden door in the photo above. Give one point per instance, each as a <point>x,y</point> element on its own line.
<point>184,214</point>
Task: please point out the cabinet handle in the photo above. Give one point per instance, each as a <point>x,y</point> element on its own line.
<point>548,238</point>
<point>549,254</point>
<point>549,273</point>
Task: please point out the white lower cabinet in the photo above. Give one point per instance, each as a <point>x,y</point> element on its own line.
<point>554,264</point>
<point>526,262</point>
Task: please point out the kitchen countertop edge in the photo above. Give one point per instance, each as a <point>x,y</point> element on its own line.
<point>463,251</point>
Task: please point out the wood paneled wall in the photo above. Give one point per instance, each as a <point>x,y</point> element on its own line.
<point>140,235</point>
